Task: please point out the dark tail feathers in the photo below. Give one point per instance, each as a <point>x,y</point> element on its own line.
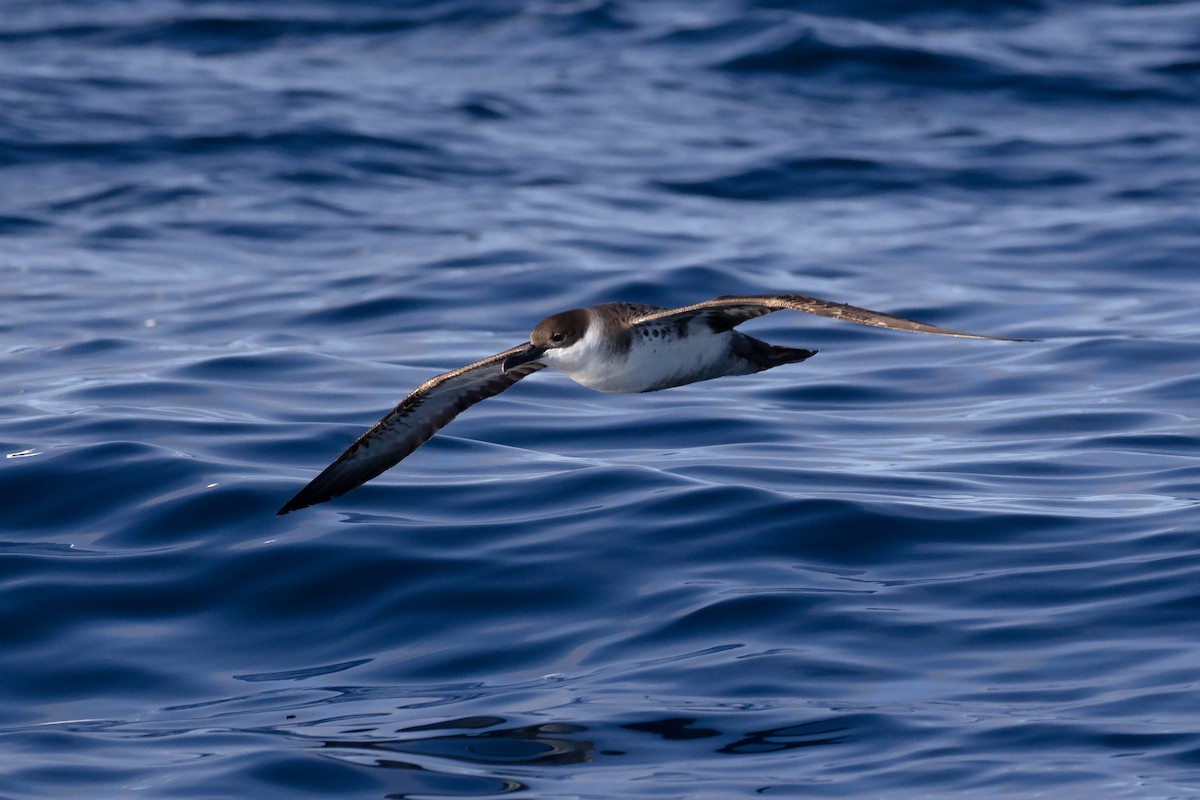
<point>765,356</point>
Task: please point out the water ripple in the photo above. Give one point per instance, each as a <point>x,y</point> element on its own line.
<point>232,241</point>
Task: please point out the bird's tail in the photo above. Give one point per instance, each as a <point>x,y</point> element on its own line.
<point>765,356</point>
<point>787,355</point>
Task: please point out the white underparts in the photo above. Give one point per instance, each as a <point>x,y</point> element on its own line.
<point>652,361</point>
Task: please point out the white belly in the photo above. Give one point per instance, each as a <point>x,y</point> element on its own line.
<point>651,363</point>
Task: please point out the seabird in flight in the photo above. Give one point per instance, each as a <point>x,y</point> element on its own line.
<point>611,347</point>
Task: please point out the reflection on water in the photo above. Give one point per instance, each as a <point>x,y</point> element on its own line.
<point>533,744</point>
<point>466,756</point>
<point>773,740</point>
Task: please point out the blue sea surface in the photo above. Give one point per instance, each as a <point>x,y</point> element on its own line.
<point>234,235</point>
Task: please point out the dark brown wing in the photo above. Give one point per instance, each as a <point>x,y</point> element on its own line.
<point>730,311</point>
<point>410,424</point>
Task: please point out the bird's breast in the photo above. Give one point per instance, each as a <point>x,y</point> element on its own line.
<point>655,359</point>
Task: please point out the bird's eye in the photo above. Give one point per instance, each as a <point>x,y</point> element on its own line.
<point>558,337</point>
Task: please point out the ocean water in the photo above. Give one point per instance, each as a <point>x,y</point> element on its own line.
<point>233,235</point>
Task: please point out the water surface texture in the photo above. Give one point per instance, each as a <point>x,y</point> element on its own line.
<point>233,235</point>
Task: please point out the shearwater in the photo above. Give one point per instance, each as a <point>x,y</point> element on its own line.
<point>611,347</point>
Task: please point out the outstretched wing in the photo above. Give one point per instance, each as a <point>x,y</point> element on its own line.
<point>410,424</point>
<point>730,311</point>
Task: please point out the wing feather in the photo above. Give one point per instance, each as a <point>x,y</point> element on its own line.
<point>410,424</point>
<point>729,311</point>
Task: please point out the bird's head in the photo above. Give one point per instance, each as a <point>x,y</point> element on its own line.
<point>556,332</point>
<point>561,330</point>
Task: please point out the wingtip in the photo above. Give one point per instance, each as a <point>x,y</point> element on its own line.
<point>295,504</point>
<point>989,337</point>
<point>1006,338</point>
